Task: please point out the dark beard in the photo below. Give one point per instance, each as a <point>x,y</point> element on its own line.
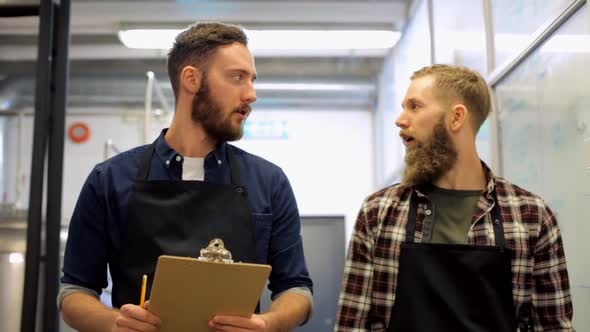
<point>209,114</point>
<point>428,162</point>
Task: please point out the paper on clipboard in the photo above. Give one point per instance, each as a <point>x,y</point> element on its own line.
<point>188,292</point>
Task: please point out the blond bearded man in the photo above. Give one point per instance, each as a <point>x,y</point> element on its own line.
<point>453,247</point>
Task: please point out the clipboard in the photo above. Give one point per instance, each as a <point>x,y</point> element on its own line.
<point>188,292</point>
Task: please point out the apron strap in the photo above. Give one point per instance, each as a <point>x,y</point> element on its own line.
<point>497,222</point>
<point>411,224</point>
<point>495,214</point>
<point>146,160</point>
<point>234,172</point>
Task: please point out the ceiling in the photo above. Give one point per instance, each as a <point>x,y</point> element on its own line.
<point>103,71</point>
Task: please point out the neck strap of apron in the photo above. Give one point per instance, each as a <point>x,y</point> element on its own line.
<point>496,221</point>
<point>147,160</point>
<point>234,172</point>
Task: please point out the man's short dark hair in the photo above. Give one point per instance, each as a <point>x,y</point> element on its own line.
<point>196,45</point>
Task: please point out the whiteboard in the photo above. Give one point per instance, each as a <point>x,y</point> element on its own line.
<point>544,128</point>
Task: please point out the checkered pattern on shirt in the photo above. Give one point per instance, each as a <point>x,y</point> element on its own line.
<point>539,274</point>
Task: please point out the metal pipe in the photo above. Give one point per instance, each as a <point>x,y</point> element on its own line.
<point>430,11</point>
<point>537,40</point>
<point>496,142</point>
<point>148,106</point>
<point>488,18</point>
<point>41,128</point>
<point>161,97</point>
<point>108,146</point>
<point>55,165</point>
<point>20,173</point>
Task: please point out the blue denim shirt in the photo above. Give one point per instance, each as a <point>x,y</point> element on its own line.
<point>100,214</point>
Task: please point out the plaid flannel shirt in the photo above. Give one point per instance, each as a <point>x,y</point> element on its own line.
<point>539,273</point>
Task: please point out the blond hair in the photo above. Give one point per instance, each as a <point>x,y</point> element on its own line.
<point>463,83</point>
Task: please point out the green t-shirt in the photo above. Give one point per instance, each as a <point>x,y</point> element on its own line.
<point>452,214</point>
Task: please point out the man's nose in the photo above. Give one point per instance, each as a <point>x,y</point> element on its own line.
<point>250,94</point>
<point>402,121</point>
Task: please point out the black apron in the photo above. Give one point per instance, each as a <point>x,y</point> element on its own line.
<point>453,287</point>
<point>167,217</point>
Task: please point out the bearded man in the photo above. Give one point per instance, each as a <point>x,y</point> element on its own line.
<point>175,195</point>
<point>453,247</point>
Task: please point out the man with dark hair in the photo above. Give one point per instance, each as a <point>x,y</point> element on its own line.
<point>188,187</point>
<point>453,247</point>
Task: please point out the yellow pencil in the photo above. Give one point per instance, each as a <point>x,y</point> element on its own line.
<point>143,287</point>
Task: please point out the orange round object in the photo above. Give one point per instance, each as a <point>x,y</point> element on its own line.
<point>79,132</point>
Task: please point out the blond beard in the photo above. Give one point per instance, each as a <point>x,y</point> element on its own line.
<point>429,161</point>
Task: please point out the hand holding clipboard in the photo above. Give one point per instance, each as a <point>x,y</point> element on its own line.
<point>188,292</point>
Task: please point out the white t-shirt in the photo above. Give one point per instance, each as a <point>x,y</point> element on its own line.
<point>193,169</point>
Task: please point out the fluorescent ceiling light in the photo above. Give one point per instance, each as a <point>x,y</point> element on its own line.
<point>321,39</point>
<point>510,42</point>
<point>276,86</point>
<point>16,258</point>
<point>308,86</point>
<point>276,40</point>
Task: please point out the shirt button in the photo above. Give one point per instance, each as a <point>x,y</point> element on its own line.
<point>428,212</point>
<point>167,162</point>
<point>219,162</point>
<point>178,158</point>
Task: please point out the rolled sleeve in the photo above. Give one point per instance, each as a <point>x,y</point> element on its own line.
<point>551,297</point>
<point>305,292</point>
<point>67,289</point>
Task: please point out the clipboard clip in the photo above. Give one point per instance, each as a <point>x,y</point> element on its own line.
<point>216,252</point>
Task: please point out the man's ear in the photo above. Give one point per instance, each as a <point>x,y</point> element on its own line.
<point>190,79</point>
<point>459,117</point>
